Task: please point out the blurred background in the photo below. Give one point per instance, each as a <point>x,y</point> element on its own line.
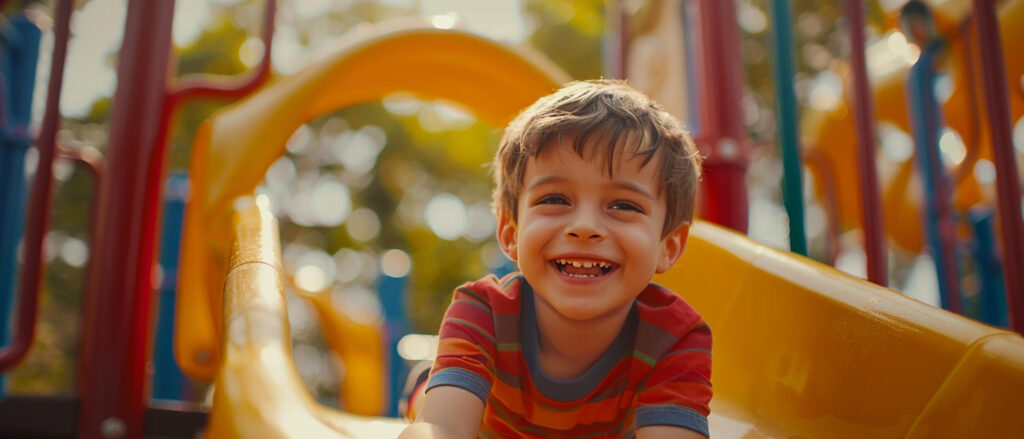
<point>385,188</point>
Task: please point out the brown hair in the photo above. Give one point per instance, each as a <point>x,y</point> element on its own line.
<point>618,119</point>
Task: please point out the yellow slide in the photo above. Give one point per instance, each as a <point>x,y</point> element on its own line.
<point>233,150</point>
<point>801,350</point>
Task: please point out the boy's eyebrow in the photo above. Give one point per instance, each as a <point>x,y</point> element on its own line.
<point>545,180</point>
<point>633,187</point>
<point>626,185</point>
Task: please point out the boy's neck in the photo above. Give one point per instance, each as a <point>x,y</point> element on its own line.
<point>567,348</point>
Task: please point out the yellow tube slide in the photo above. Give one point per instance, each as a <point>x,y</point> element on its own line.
<point>802,350</point>
<point>233,150</point>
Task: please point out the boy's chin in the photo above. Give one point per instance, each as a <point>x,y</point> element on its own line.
<point>586,309</point>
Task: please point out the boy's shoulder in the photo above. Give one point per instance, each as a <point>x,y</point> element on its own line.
<point>669,312</point>
<point>502,295</point>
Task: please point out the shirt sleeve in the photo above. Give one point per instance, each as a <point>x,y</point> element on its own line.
<point>678,389</point>
<point>466,348</point>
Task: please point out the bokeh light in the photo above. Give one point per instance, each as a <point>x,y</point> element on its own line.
<point>251,52</point>
<point>897,145</point>
<point>826,91</point>
<point>301,139</point>
<point>314,270</point>
<point>446,216</point>
<point>417,347</point>
<point>330,203</point>
<point>952,147</point>
<point>348,264</point>
<point>358,150</point>
<point>480,222</point>
<point>985,171</point>
<point>751,19</point>
<point>74,252</point>
<point>396,263</point>
<point>363,225</point>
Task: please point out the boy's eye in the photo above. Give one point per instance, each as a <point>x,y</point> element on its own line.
<point>553,199</point>
<point>625,205</point>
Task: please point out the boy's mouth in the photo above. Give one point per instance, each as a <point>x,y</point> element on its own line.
<point>583,268</point>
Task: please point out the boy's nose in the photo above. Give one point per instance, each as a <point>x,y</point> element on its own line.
<point>586,230</point>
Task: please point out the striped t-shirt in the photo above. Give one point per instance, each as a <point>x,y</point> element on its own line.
<point>656,372</point>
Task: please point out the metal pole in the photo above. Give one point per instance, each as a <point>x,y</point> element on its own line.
<point>997,103</point>
<point>789,131</point>
<point>938,213</point>
<point>722,136</point>
<point>39,202</point>
<point>116,321</point>
<point>864,112</point>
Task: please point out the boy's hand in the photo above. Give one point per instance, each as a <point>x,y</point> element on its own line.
<point>667,432</point>
<point>448,412</point>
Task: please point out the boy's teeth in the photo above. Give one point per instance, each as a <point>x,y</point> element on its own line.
<point>585,264</point>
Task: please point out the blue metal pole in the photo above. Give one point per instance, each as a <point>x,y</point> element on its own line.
<point>937,215</point>
<point>168,380</point>
<point>396,321</point>
<point>789,132</point>
<point>18,58</point>
<point>989,269</point>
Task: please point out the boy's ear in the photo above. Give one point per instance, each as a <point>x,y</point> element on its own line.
<point>672,247</point>
<point>507,234</point>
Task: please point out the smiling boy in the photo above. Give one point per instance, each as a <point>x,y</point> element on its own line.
<point>595,194</point>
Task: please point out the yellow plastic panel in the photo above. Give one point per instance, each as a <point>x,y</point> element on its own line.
<point>707,289</point>
<point>360,346</point>
<point>233,150</point>
<point>802,350</point>
<point>982,397</point>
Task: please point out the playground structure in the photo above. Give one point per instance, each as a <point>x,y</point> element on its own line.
<point>843,336</point>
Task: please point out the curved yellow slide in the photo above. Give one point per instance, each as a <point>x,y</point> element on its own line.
<point>801,350</point>
<point>233,150</point>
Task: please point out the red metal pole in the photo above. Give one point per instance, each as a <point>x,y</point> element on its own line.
<point>722,136</point>
<point>39,204</point>
<point>205,86</point>
<point>91,161</point>
<point>864,112</point>
<point>115,350</point>
<point>1008,182</point>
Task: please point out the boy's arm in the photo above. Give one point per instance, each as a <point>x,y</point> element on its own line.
<point>667,432</point>
<point>448,412</point>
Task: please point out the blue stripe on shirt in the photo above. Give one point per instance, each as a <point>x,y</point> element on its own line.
<point>673,415</point>
<point>462,379</point>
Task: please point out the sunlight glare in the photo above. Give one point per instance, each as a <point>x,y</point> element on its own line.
<point>446,216</point>
<point>395,263</point>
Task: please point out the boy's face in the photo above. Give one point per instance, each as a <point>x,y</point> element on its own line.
<point>589,243</point>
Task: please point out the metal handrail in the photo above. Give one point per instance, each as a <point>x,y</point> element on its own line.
<point>211,86</point>
<point>39,205</point>
<point>864,106</point>
<point>1008,190</point>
